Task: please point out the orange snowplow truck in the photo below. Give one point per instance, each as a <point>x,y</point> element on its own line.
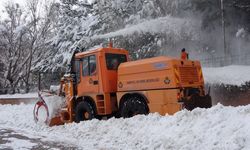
<point>103,82</point>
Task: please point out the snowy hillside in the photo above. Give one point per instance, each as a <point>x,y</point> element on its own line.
<point>232,75</point>
<point>216,128</point>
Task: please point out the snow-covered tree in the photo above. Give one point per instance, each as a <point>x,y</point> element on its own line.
<point>146,28</point>
<point>86,25</point>
<point>40,27</point>
<point>14,37</point>
<point>23,42</point>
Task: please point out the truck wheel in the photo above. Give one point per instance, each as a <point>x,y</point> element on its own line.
<point>133,106</point>
<point>84,111</point>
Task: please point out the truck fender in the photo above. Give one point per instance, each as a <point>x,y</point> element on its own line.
<point>127,95</point>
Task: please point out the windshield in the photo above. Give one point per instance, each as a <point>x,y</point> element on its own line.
<point>114,60</point>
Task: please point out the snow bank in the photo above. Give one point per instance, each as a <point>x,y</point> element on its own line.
<point>27,95</point>
<point>216,128</point>
<point>231,75</point>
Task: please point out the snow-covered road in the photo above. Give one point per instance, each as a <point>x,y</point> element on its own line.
<point>217,128</point>
<point>10,139</point>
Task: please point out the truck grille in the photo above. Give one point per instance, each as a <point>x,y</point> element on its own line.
<point>188,75</point>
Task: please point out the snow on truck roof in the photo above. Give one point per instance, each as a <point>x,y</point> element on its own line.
<point>154,60</point>
<point>155,63</point>
<point>105,49</point>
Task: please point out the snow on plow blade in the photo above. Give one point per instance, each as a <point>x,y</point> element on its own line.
<point>46,110</point>
<point>197,101</point>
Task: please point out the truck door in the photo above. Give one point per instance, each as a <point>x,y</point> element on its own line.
<point>89,78</point>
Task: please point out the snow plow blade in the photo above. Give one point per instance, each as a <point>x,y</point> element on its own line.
<point>197,101</point>
<point>41,113</point>
<point>55,121</point>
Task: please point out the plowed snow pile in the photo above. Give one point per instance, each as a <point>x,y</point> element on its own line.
<point>232,75</point>
<point>216,128</point>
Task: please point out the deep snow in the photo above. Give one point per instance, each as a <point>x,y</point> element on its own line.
<point>216,128</point>
<point>219,127</point>
<point>18,144</point>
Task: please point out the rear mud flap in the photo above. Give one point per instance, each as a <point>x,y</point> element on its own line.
<point>197,101</point>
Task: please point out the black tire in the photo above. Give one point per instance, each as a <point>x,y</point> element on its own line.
<point>133,106</point>
<point>84,111</point>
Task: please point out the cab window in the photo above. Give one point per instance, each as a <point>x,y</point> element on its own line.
<point>85,68</point>
<point>92,65</point>
<point>89,65</point>
<point>114,60</point>
<point>76,70</point>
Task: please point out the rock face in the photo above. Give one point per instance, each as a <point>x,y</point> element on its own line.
<point>230,95</point>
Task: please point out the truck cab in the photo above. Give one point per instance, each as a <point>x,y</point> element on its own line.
<point>93,82</point>
<point>96,71</point>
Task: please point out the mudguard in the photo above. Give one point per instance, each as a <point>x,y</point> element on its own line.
<point>197,101</point>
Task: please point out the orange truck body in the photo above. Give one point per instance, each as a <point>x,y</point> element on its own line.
<point>163,84</point>
<point>160,80</point>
